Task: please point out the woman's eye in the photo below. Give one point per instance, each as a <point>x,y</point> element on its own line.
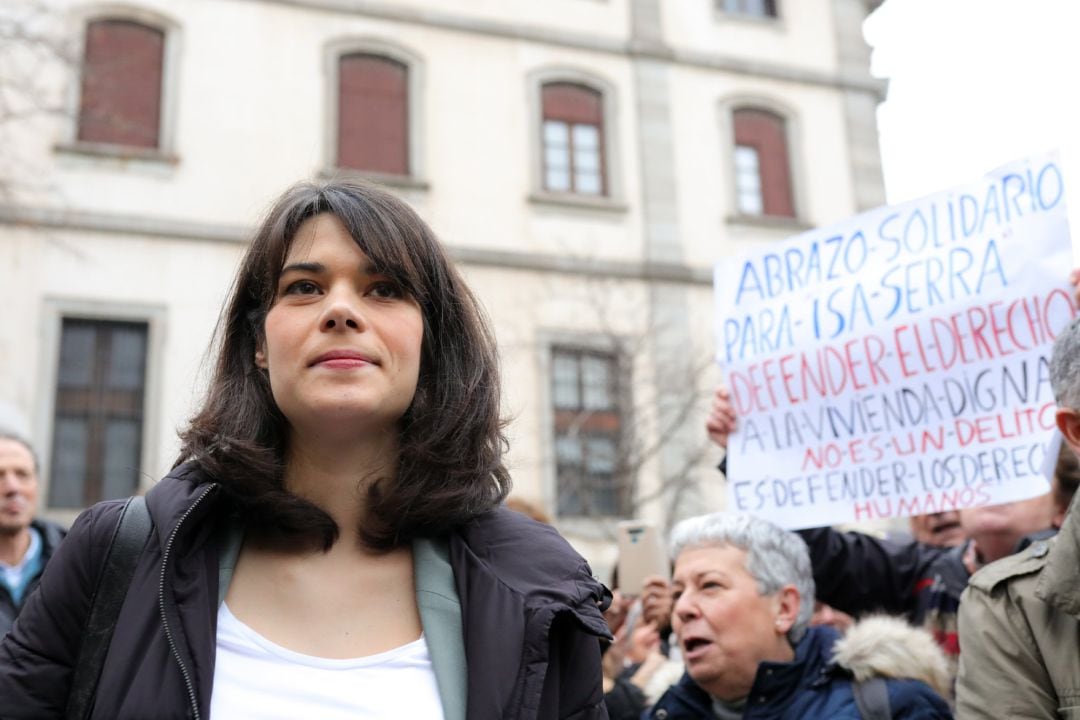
<point>302,287</point>
<point>386,290</point>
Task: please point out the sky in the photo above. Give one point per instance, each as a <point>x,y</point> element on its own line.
<point>975,84</point>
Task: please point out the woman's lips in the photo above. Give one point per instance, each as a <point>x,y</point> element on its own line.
<point>343,363</point>
<point>343,360</point>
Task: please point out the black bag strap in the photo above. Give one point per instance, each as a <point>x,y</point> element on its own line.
<point>126,545</point>
<point>872,699</point>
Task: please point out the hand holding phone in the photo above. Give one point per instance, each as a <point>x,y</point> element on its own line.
<point>641,555</point>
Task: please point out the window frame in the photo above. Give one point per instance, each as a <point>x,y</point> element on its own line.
<point>166,150</point>
<point>333,51</point>
<point>115,407</point>
<point>54,312</point>
<point>793,135</point>
<point>584,345</point>
<point>610,157</point>
<point>572,148</point>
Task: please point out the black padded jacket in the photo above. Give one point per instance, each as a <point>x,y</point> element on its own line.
<point>531,616</point>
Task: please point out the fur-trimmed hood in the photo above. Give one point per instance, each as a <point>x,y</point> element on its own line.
<point>888,647</point>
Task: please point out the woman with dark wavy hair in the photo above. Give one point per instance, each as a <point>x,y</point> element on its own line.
<point>331,542</point>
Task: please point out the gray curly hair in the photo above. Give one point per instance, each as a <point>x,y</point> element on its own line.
<point>774,557</point>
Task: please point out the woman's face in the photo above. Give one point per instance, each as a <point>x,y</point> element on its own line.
<point>341,341</point>
<point>725,626</point>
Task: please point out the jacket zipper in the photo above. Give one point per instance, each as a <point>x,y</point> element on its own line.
<point>161,603</point>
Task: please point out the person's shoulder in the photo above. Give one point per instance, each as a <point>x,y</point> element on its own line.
<point>909,698</point>
<point>503,530</point>
<point>684,699</point>
<point>1025,564</point>
<point>171,497</point>
<point>888,650</point>
<point>506,539</point>
<point>528,556</point>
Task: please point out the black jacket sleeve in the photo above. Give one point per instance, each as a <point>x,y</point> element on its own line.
<point>859,573</point>
<point>38,656</point>
<point>625,701</point>
<point>574,684</point>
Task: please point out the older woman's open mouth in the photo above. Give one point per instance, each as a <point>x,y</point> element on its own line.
<point>695,646</point>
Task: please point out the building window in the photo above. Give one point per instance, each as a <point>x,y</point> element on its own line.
<point>120,99</point>
<point>588,428</point>
<point>573,139</point>
<point>762,167</point>
<point>97,427</point>
<point>373,114</point>
<point>753,8</point>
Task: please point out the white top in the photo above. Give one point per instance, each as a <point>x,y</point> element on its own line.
<point>255,678</point>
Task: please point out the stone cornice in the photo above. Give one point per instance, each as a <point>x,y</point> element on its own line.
<point>171,229</point>
<point>394,12</point>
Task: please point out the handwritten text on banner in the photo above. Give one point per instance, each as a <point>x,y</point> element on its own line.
<point>897,363</point>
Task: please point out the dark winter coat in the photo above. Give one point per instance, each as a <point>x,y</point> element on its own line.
<point>859,573</point>
<point>529,610</point>
<point>51,535</point>
<point>808,688</point>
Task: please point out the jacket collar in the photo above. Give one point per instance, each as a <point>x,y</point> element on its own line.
<point>688,694</point>
<point>179,496</point>
<point>1059,583</point>
<point>774,684</point>
<point>531,560</point>
<point>51,535</point>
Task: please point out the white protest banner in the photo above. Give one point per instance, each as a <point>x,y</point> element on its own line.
<point>897,363</point>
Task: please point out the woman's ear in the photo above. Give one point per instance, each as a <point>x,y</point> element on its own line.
<point>1068,422</point>
<point>787,602</point>
<point>260,358</point>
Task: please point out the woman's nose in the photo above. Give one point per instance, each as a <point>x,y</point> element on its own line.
<point>684,607</point>
<point>342,312</point>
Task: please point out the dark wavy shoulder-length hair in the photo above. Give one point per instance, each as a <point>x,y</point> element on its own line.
<point>451,440</point>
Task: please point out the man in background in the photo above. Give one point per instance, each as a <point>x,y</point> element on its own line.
<point>26,543</point>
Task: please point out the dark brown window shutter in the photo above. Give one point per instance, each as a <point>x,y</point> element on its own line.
<point>121,84</point>
<point>373,114</point>
<point>572,103</point>
<point>766,132</point>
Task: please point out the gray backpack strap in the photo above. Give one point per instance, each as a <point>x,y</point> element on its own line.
<point>126,545</point>
<point>872,698</point>
<point>232,537</point>
<point>440,616</point>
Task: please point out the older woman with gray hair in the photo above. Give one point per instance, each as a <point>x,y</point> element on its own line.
<point>744,596</point>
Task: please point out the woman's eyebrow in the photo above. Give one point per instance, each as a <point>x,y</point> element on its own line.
<point>698,575</point>
<point>308,267</point>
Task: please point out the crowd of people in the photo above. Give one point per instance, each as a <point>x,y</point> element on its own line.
<point>335,541</point>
